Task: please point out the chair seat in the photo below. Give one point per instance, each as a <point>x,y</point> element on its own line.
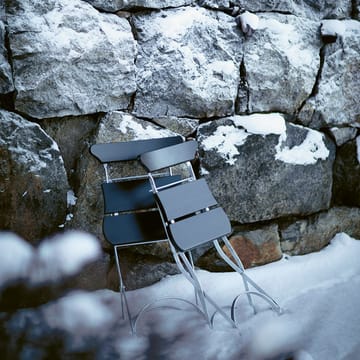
<point>134,228</point>
<point>199,229</point>
<point>185,199</point>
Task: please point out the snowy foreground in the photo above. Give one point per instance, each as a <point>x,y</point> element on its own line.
<point>320,294</point>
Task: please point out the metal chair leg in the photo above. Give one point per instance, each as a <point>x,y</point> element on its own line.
<point>122,289</point>
<point>237,265</point>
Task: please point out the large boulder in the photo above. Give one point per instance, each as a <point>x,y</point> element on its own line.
<point>188,63</point>
<point>347,174</point>
<point>280,65</point>
<point>33,181</point>
<point>6,81</point>
<point>69,59</point>
<point>115,5</point>
<point>259,167</point>
<point>336,101</point>
<point>320,9</point>
<point>312,234</point>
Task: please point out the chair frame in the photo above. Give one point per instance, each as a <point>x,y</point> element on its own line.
<point>118,152</point>
<point>153,162</point>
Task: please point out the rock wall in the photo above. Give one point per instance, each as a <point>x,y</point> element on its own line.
<point>269,89</point>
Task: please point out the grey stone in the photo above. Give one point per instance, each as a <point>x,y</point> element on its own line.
<point>337,100</point>
<point>261,174</point>
<point>187,70</point>
<point>281,62</point>
<point>343,135</point>
<point>321,9</point>
<point>69,59</point>
<point>33,182</point>
<point>183,126</point>
<point>312,234</point>
<point>72,135</point>
<point>115,5</point>
<point>347,174</point>
<point>254,247</point>
<point>6,80</point>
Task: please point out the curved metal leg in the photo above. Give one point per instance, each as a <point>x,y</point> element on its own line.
<point>188,271</point>
<point>239,268</point>
<point>122,289</point>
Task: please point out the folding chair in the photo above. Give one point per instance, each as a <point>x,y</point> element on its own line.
<point>192,217</point>
<point>130,213</point>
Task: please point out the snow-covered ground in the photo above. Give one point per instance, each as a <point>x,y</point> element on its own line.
<point>319,292</point>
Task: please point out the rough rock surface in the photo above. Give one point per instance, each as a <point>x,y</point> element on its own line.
<point>33,182</point>
<point>6,81</point>
<point>337,98</point>
<point>347,174</point>
<point>69,59</point>
<point>315,10</point>
<point>280,65</point>
<point>312,234</point>
<point>187,70</point>
<point>115,5</point>
<point>254,247</point>
<point>259,173</point>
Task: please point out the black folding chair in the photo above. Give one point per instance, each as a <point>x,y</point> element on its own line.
<point>192,217</point>
<point>130,213</point>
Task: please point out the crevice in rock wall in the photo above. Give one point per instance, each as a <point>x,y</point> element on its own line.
<point>242,100</point>
<point>315,88</point>
<point>354,10</point>
<point>7,101</point>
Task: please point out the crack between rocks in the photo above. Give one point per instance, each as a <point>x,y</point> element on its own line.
<point>243,87</point>
<point>315,88</point>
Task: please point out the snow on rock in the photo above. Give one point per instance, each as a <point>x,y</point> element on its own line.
<point>69,59</point>
<point>308,152</point>
<point>115,5</point>
<point>336,102</point>
<point>16,256</point>
<point>34,181</point>
<point>248,22</point>
<point>259,156</point>
<point>180,70</point>
<point>281,61</point>
<point>333,28</point>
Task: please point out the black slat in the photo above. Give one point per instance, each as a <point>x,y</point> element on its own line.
<point>200,229</point>
<point>185,199</point>
<point>173,155</point>
<point>132,195</point>
<point>133,228</point>
<point>130,150</point>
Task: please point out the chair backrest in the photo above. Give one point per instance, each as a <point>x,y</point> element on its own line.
<point>130,212</point>
<point>190,212</point>
<point>169,156</point>
<point>130,150</point>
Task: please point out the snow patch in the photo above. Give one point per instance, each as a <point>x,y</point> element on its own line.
<point>333,28</point>
<point>358,148</point>
<point>262,124</point>
<point>71,198</point>
<point>308,152</point>
<point>140,133</point>
<point>176,26</point>
<point>224,141</point>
